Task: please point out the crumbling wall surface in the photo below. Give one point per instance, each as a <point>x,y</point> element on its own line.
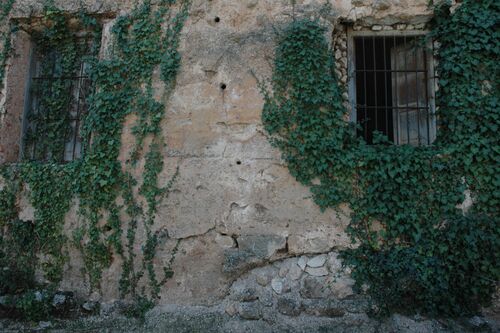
<point>235,206</point>
<point>252,242</point>
<point>235,202</point>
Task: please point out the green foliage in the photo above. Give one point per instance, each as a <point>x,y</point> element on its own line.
<point>34,305</point>
<point>144,40</point>
<point>449,272</point>
<point>17,240</point>
<point>50,192</point>
<point>417,252</point>
<point>139,308</point>
<point>468,96</point>
<point>17,257</point>
<point>61,53</point>
<point>8,197</point>
<point>5,8</point>
<point>124,83</point>
<point>22,243</point>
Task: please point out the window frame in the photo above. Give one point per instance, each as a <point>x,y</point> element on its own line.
<point>431,75</point>
<point>14,91</point>
<point>29,99</point>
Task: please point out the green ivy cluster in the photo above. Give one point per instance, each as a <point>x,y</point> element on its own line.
<point>417,251</point>
<point>125,88</point>
<point>61,54</point>
<point>17,240</point>
<point>144,40</point>
<point>468,96</point>
<point>50,191</point>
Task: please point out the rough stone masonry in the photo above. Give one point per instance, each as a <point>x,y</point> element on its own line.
<point>255,252</point>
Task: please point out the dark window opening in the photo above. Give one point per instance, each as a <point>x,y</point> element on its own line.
<point>56,104</point>
<point>393,93</point>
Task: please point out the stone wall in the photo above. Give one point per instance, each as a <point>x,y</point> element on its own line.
<point>251,239</point>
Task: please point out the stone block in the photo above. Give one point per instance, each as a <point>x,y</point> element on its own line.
<point>224,241</point>
<point>342,287</point>
<point>317,261</point>
<point>323,308</point>
<point>302,262</point>
<point>262,246</point>
<point>252,250</point>
<point>231,309</point>
<point>278,285</point>
<point>250,311</point>
<point>381,4</point>
<point>314,288</point>
<point>320,271</point>
<point>243,294</point>
<point>294,273</point>
<point>264,275</point>
<point>237,261</point>
<point>334,263</point>
<point>289,306</point>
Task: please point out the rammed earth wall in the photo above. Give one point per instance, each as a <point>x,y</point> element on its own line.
<point>251,243</point>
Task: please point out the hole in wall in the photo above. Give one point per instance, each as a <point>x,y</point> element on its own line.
<point>238,162</point>
<point>217,19</point>
<point>285,249</point>
<point>235,238</point>
<point>223,86</point>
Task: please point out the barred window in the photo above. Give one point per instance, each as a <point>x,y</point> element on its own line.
<point>56,102</point>
<point>392,87</point>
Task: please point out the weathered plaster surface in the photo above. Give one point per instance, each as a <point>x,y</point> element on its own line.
<point>235,208</point>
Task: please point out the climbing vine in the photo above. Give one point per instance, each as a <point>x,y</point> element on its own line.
<point>17,256</point>
<point>416,250</point>
<point>104,187</point>
<point>125,88</point>
<point>60,51</point>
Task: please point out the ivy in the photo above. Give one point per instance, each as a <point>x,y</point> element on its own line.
<point>50,187</point>
<point>416,251</point>
<point>8,197</point>
<point>125,88</point>
<point>17,239</point>
<point>61,53</point>
<point>468,99</point>
<point>111,200</point>
<point>5,8</point>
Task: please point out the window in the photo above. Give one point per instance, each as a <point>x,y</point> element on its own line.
<point>392,87</point>
<point>56,102</point>
<point>43,102</point>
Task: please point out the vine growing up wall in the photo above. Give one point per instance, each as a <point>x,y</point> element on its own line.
<point>106,189</point>
<point>416,250</point>
<point>125,88</point>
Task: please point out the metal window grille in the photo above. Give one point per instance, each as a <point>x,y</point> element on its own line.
<point>56,135</point>
<point>393,88</point>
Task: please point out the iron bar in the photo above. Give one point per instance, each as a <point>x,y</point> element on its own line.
<point>387,99</point>
<point>417,97</point>
<point>407,97</point>
<point>366,101</point>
